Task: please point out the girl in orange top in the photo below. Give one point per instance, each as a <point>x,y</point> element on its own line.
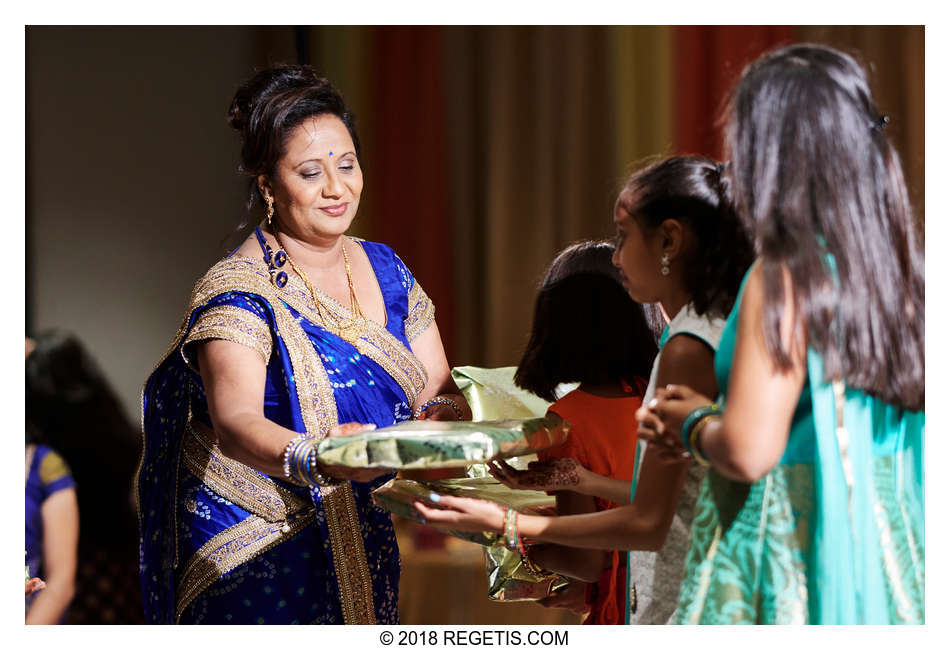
<point>587,330</point>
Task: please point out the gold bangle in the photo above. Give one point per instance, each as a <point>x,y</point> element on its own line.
<point>694,440</point>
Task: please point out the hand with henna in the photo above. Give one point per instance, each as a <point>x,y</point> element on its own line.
<point>548,475</point>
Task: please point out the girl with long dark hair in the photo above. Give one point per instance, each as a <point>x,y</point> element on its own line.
<point>812,511</point>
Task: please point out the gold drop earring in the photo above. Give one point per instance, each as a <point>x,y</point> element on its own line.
<point>665,264</point>
<point>270,210</point>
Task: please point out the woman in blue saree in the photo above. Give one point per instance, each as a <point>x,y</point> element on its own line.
<point>812,511</point>
<point>298,330</point>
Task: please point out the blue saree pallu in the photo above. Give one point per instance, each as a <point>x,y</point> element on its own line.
<point>221,542</point>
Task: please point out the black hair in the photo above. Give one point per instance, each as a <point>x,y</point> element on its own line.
<point>816,177</point>
<point>693,190</point>
<point>271,104</point>
<point>586,328</point>
<point>71,408</point>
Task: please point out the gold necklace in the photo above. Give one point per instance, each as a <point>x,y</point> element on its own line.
<point>348,329</point>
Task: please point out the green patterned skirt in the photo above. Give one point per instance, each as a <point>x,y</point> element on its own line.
<point>750,556</point>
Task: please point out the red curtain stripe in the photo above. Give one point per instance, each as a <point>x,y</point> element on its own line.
<point>707,62</point>
<point>409,166</point>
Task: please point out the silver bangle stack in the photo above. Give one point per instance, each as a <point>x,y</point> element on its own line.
<point>300,463</point>
<point>438,400</point>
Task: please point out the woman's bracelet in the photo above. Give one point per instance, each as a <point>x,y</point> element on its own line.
<point>693,417</point>
<point>438,400</point>
<point>511,529</point>
<point>300,463</point>
<point>693,447</point>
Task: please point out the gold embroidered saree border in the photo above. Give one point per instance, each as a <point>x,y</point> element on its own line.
<point>383,348</point>
<point>235,481</point>
<point>231,324</point>
<point>231,548</point>
<point>318,411</point>
<point>376,342</point>
<point>356,586</point>
<point>421,312</point>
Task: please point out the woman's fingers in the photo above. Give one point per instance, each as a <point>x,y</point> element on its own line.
<point>677,391</point>
<point>499,476</point>
<point>505,469</point>
<point>349,429</point>
<point>33,585</point>
<point>429,515</point>
<point>650,421</point>
<point>461,513</point>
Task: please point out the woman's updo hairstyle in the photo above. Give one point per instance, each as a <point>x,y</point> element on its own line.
<point>696,192</point>
<point>271,104</point>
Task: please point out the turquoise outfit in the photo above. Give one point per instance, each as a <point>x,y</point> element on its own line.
<point>834,534</point>
<point>224,543</point>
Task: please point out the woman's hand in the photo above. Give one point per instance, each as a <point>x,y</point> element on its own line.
<point>549,475</point>
<point>462,513</point>
<point>661,421</point>
<point>445,412</point>
<point>360,475</point>
<point>573,597</point>
<point>440,412</point>
<point>34,584</point>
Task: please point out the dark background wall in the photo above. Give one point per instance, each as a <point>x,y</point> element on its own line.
<point>487,149</point>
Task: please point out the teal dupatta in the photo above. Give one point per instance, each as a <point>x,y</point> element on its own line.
<point>869,520</point>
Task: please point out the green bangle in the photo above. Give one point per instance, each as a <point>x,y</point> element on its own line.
<point>695,416</point>
<point>693,447</point>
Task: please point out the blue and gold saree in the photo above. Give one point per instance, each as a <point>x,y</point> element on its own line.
<point>223,543</point>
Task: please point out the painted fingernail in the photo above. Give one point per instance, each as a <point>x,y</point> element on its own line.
<point>653,403</point>
<point>434,498</point>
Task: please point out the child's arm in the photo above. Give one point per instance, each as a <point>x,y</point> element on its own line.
<point>585,565</point>
<point>642,525</point>
<point>559,474</point>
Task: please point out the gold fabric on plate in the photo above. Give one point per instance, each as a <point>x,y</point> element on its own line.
<point>430,444</point>
<point>492,394</point>
<point>510,581</point>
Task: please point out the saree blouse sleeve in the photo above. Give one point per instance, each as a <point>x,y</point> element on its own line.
<point>230,317</point>
<point>421,311</point>
<point>54,472</point>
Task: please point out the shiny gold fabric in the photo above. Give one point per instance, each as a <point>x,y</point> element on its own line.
<point>510,581</point>
<point>431,444</point>
<point>397,496</point>
<point>492,394</point>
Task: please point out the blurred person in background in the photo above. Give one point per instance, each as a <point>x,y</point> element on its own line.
<point>71,408</point>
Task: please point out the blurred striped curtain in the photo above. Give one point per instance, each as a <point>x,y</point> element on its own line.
<point>488,149</point>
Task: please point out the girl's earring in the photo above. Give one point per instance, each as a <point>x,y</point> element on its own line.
<point>665,264</point>
<point>270,210</point>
